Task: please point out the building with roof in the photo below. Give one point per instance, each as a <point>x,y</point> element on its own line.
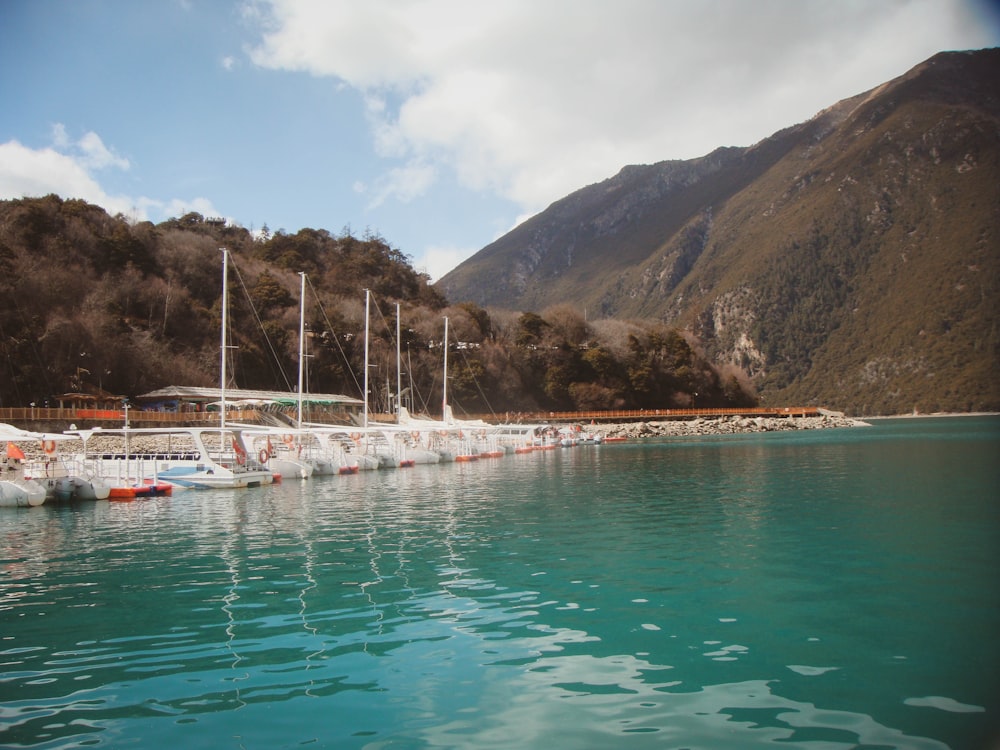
<point>316,407</point>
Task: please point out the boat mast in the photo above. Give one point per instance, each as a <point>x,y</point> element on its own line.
<point>367,303</point>
<point>399,372</point>
<point>222,368</point>
<point>302,328</point>
<point>444,384</point>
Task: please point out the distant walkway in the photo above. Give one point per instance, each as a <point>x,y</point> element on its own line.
<point>56,420</point>
<point>646,415</point>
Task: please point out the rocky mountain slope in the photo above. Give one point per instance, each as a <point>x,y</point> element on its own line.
<point>852,260</point>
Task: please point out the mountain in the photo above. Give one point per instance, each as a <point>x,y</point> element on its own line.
<point>851,261</point>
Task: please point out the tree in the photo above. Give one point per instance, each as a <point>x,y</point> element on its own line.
<point>531,326</point>
<point>267,294</point>
<point>567,325</point>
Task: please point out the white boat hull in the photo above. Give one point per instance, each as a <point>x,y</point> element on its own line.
<point>72,488</point>
<point>290,468</point>
<point>23,493</point>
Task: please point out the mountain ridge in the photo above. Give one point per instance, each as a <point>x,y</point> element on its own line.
<point>815,259</point>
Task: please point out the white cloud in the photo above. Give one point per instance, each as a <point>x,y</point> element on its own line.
<point>66,168</point>
<point>26,172</point>
<point>90,149</point>
<point>404,183</point>
<point>60,138</point>
<point>96,155</point>
<point>437,261</point>
<point>534,100</point>
<point>179,207</point>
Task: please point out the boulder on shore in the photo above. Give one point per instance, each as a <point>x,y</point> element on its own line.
<point>722,426</point>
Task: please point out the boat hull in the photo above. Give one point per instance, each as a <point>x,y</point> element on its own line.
<point>184,477</point>
<point>146,489</point>
<point>21,494</point>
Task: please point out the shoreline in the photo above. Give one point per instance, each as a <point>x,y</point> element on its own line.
<point>720,426</point>
<point>652,429</point>
<point>938,414</point>
<point>745,425</point>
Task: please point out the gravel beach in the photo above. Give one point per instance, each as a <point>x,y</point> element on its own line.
<point>721,426</point>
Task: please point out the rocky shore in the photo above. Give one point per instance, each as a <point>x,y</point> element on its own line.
<point>722,426</point>
<point>630,430</point>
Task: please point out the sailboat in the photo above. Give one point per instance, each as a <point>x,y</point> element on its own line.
<point>292,452</point>
<point>240,468</point>
<point>410,445</point>
<point>348,450</point>
<point>132,459</point>
<point>62,477</point>
<point>446,437</point>
<point>375,443</point>
<point>16,490</point>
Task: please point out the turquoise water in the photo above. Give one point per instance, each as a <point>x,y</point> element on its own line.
<point>830,589</point>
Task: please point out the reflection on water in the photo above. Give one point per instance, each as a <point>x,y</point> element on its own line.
<point>807,591</point>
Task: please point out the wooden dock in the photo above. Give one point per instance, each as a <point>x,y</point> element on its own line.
<point>652,415</point>
<point>48,419</point>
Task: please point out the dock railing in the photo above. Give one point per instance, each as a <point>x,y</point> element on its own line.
<point>37,417</point>
<point>645,415</point>
<point>636,415</point>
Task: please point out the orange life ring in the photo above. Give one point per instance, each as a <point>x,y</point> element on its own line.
<point>263,455</point>
<point>355,436</point>
<point>288,440</point>
<point>49,446</point>
<point>415,434</point>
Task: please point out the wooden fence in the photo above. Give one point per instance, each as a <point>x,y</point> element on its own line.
<point>637,415</point>
<point>37,417</point>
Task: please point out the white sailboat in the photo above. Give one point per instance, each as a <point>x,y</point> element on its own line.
<point>349,450</point>
<point>290,452</point>
<point>410,445</point>
<point>155,460</point>
<point>64,477</point>
<point>61,476</point>
<point>16,490</point>
<point>239,467</point>
<point>446,437</point>
<point>138,461</point>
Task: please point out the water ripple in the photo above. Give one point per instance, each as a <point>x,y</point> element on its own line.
<point>692,594</point>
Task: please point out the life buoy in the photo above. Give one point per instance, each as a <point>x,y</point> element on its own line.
<point>288,440</point>
<point>49,446</point>
<point>415,434</point>
<point>355,436</point>
<point>263,455</point>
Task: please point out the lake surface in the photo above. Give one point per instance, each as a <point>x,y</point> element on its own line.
<point>823,589</point>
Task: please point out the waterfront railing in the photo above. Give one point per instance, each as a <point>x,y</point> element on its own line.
<point>139,418</point>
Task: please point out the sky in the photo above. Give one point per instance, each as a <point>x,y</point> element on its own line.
<point>438,125</point>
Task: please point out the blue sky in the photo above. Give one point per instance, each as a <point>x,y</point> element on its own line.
<point>438,124</point>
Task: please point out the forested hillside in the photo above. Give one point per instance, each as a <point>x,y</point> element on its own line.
<point>94,303</point>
